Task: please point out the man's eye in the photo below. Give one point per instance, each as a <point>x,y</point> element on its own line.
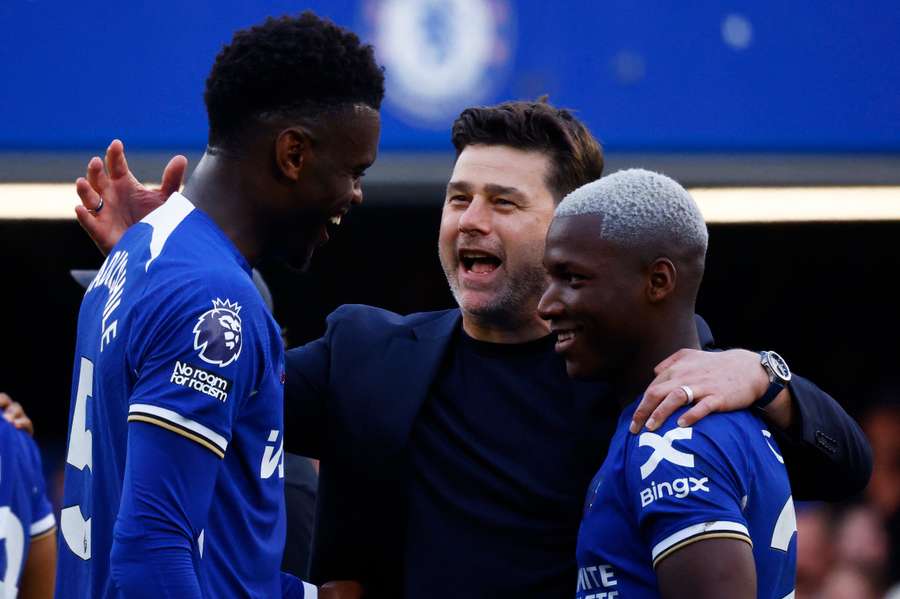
<point>504,202</point>
<point>457,199</point>
<point>574,278</point>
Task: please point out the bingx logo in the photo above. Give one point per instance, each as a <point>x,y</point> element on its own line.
<point>663,450</point>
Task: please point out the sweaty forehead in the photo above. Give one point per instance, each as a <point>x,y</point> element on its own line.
<point>480,165</point>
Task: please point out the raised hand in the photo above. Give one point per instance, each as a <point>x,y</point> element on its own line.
<point>113,199</point>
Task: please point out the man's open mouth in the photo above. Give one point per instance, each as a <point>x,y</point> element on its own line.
<point>565,337</point>
<point>479,262</point>
<point>333,222</point>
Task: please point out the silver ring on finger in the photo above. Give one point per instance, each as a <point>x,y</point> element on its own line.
<point>98,208</point>
<point>689,393</point>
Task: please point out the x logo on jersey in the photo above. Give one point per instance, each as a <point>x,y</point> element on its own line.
<point>663,450</point>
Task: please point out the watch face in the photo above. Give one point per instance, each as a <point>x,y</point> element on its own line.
<point>779,366</point>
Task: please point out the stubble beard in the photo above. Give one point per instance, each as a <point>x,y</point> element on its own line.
<point>512,306</point>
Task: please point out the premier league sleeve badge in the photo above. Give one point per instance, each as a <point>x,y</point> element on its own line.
<point>217,334</point>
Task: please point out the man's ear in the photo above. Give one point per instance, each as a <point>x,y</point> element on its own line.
<point>662,280</point>
<point>292,149</point>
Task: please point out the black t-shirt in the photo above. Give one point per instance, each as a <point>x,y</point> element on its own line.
<point>501,454</point>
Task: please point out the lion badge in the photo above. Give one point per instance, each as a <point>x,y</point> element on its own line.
<point>217,334</point>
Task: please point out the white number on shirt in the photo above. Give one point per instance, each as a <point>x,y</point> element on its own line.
<point>784,531</point>
<point>13,536</point>
<point>75,528</point>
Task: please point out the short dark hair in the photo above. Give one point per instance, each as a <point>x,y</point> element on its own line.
<point>288,65</point>
<point>576,156</point>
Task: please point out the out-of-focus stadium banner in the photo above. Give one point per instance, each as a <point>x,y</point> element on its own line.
<point>805,76</point>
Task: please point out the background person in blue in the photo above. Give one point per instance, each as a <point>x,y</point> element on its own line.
<point>697,511</point>
<point>174,474</point>
<point>27,524</point>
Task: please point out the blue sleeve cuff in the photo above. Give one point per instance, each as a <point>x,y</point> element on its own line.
<point>294,588</point>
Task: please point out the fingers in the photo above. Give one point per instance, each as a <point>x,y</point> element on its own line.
<point>661,400</point>
<point>173,175</point>
<point>700,411</point>
<point>96,176</point>
<point>645,408</point>
<point>15,414</point>
<point>115,160</point>
<point>671,360</point>
<point>93,227</point>
<point>674,400</point>
<point>653,396</point>
<point>24,424</point>
<point>85,219</point>
<point>90,199</point>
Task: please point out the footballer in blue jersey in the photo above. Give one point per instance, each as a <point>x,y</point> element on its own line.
<point>174,469</point>
<point>26,516</point>
<point>173,333</point>
<point>659,491</point>
<point>698,511</point>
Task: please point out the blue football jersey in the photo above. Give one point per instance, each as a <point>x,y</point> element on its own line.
<point>660,491</point>
<point>25,512</point>
<point>173,332</point>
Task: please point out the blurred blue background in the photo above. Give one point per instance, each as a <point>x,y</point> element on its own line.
<point>761,75</point>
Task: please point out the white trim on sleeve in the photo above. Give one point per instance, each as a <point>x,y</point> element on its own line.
<point>42,525</point>
<point>180,421</point>
<point>704,528</point>
<point>310,591</point>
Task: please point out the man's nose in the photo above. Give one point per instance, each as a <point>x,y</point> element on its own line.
<point>550,306</point>
<point>476,218</point>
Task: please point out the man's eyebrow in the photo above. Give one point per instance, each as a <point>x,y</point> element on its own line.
<point>461,186</point>
<point>498,190</point>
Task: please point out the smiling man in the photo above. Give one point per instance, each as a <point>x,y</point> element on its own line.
<point>694,512</point>
<point>490,243</point>
<point>455,450</point>
<point>174,473</point>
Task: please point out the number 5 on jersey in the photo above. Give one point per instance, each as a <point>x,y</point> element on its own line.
<point>76,530</point>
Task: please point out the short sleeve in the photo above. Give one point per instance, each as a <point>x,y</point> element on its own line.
<point>43,522</point>
<point>687,484</point>
<point>198,356</point>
